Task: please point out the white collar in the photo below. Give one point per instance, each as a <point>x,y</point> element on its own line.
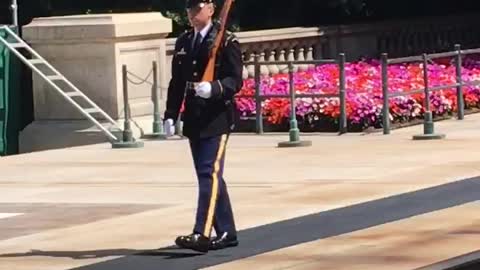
<point>204,31</point>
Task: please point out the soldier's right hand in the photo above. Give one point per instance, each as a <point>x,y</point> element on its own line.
<point>169,127</point>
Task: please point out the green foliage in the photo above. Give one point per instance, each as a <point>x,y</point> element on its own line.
<point>180,21</point>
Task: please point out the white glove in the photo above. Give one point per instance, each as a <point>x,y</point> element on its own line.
<point>168,127</point>
<point>204,90</point>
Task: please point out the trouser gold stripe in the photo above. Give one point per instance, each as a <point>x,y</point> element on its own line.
<point>213,196</point>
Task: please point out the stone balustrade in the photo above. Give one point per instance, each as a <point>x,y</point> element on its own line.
<point>291,44</point>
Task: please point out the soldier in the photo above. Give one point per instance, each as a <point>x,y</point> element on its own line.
<point>208,121</point>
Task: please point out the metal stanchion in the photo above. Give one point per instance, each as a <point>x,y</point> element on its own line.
<point>342,95</point>
<point>157,127</point>
<point>294,131</point>
<point>14,9</point>
<point>458,71</point>
<point>428,128</point>
<point>385,96</point>
<point>128,140</point>
<point>258,100</point>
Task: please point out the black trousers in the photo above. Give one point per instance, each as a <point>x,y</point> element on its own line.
<point>214,208</point>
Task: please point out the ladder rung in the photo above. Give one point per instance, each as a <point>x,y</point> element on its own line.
<point>73,94</point>
<point>92,110</point>
<point>36,61</point>
<point>55,77</point>
<point>17,45</point>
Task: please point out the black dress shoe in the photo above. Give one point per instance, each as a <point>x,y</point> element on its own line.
<point>194,241</point>
<point>223,241</point>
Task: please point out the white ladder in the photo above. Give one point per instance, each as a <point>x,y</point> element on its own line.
<point>57,76</point>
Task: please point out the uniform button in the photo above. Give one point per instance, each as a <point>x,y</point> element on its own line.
<point>195,73</point>
<point>194,62</point>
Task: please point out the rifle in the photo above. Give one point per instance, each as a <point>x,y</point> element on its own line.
<point>210,68</point>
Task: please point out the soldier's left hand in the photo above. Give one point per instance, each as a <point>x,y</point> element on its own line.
<point>204,90</point>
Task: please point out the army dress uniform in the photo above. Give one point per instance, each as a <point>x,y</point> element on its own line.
<point>207,123</point>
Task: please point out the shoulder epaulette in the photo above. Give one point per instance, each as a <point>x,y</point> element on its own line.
<point>230,37</point>
<point>181,39</point>
<point>184,35</point>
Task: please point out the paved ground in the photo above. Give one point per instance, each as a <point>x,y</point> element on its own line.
<point>348,202</point>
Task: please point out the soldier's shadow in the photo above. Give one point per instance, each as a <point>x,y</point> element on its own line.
<point>166,253</point>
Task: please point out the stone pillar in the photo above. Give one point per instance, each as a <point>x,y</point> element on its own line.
<point>89,50</point>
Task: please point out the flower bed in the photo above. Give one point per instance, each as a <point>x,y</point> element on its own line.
<point>363,98</point>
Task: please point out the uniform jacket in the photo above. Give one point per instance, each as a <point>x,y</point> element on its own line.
<point>205,117</point>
